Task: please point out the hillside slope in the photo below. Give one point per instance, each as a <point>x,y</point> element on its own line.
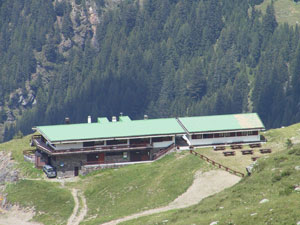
<point>270,195</point>
<point>115,193</point>
<point>109,194</point>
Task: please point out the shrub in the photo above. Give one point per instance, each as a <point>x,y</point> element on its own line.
<point>286,173</point>
<point>289,143</point>
<point>287,190</point>
<point>276,178</point>
<point>294,151</point>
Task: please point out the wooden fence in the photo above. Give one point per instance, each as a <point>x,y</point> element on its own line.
<point>217,164</point>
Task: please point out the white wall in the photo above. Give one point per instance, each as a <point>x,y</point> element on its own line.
<point>163,144</point>
<point>68,146</point>
<point>225,140</point>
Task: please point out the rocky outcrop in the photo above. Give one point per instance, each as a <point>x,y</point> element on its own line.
<point>8,173</point>
<point>22,97</point>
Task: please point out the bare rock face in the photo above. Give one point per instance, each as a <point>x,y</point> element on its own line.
<point>21,98</point>
<point>8,174</point>
<point>10,116</point>
<point>65,45</point>
<point>7,171</point>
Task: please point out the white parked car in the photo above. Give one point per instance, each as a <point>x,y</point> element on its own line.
<point>49,171</point>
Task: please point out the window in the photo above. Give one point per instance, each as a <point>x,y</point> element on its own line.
<point>238,134</point>
<point>140,141</point>
<point>245,133</point>
<point>88,144</point>
<point>254,132</point>
<point>116,142</point>
<point>99,142</point>
<point>197,136</point>
<point>161,139</point>
<point>227,134</point>
<point>114,154</point>
<point>232,134</point>
<point>218,135</point>
<point>208,135</point>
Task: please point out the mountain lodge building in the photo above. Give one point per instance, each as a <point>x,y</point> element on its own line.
<point>73,148</point>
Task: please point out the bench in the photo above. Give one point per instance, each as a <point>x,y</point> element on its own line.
<point>258,145</point>
<point>229,153</point>
<point>247,152</point>
<point>219,148</point>
<point>254,158</point>
<point>267,150</point>
<point>236,146</point>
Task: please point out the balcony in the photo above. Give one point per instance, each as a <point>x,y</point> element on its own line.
<point>38,142</point>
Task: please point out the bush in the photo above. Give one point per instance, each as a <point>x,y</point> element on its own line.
<point>276,178</point>
<point>289,143</point>
<point>286,173</point>
<point>287,190</point>
<point>294,151</point>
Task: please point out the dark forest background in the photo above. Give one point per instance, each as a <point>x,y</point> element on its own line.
<point>162,58</point>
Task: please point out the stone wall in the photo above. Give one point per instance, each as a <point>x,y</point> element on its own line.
<point>116,158</point>
<point>65,165</point>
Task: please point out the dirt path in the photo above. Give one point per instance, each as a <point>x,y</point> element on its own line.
<point>204,185</point>
<point>17,216</point>
<point>78,213</point>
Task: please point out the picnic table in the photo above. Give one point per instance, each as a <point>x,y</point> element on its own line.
<point>266,150</point>
<point>257,145</point>
<point>247,152</point>
<point>219,148</point>
<point>236,146</point>
<point>229,153</point>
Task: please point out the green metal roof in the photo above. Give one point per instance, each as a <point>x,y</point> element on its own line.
<point>124,119</point>
<point>85,131</point>
<point>222,122</point>
<point>102,120</point>
<point>151,127</point>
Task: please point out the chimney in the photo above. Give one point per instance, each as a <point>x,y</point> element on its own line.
<point>67,120</point>
<point>145,117</point>
<point>89,119</point>
<point>121,114</point>
<point>114,119</point>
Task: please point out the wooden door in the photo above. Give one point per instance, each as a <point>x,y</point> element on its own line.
<point>135,156</point>
<point>76,171</point>
<point>101,157</point>
<point>145,155</point>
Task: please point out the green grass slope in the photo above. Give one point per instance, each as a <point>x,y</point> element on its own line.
<point>52,203</point>
<point>275,178</point>
<point>287,11</point>
<point>114,193</point>
<point>110,193</point>
<point>16,147</point>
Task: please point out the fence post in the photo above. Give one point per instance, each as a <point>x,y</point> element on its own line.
<point>191,148</point>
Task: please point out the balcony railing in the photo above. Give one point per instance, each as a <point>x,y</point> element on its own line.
<point>37,141</point>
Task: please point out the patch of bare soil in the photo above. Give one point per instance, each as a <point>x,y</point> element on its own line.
<point>17,216</point>
<point>204,185</point>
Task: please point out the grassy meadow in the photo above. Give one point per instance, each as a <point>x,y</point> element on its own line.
<point>52,203</point>
<point>274,178</point>
<point>287,11</point>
